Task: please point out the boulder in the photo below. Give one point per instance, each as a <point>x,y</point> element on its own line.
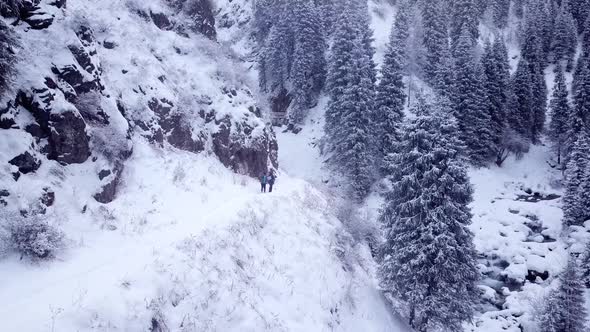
<point>161,21</point>
<point>25,162</point>
<point>112,178</point>
<point>252,158</point>
<point>68,141</point>
<point>3,194</point>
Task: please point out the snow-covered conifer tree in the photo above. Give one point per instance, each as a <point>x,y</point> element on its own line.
<point>309,64</point>
<point>519,109</point>
<point>500,12</point>
<point>580,10</point>
<point>401,29</point>
<point>539,105</point>
<point>560,112</point>
<point>581,113</point>
<point>565,37</point>
<point>469,103</point>
<point>496,83</point>
<point>351,89</point>
<point>585,266</point>
<point>389,100</point>
<point>565,308</point>
<point>464,16</point>
<point>339,64</point>
<point>436,38</point>
<point>428,257</point>
<point>574,200</point>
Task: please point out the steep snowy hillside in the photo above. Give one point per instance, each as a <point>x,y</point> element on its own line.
<point>190,246</point>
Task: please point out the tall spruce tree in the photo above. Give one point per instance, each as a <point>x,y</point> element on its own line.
<point>389,100</point>
<point>580,114</point>
<point>585,266</point>
<point>565,309</point>
<point>362,22</point>
<point>469,103</point>
<point>496,83</point>
<point>500,12</point>
<point>428,257</point>
<point>351,89</point>
<point>464,16</point>
<point>532,46</point>
<point>580,10</point>
<point>339,65</point>
<point>401,29</point>
<point>565,37</point>
<point>277,52</point>
<point>436,38</point>
<point>520,101</point>
<point>539,106</point>
<point>584,58</point>
<point>560,112</point>
<point>574,200</point>
<point>309,64</point>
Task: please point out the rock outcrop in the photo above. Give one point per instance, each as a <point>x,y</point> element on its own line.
<point>86,95</point>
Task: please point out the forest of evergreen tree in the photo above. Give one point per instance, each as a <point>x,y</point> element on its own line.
<point>471,109</point>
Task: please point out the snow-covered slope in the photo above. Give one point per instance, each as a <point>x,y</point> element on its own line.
<point>191,246</point>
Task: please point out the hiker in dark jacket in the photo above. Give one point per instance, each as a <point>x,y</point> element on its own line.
<point>263,180</point>
<point>271,181</point>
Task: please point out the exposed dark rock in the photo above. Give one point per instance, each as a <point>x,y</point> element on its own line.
<point>201,14</point>
<point>39,21</point>
<point>161,21</point>
<point>109,44</point>
<point>50,83</point>
<point>252,159</point>
<point>281,102</point>
<point>35,130</point>
<point>4,193</point>
<point>161,107</point>
<point>58,3</point>
<point>32,14</point>
<point>179,134</point>
<point>104,173</point>
<point>108,192</point>
<point>83,58</point>
<point>6,122</point>
<point>85,35</point>
<point>16,176</point>
<point>48,197</point>
<point>533,275</point>
<point>74,78</point>
<point>26,163</point>
<point>68,141</point>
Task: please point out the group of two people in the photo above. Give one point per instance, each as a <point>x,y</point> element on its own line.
<point>267,179</point>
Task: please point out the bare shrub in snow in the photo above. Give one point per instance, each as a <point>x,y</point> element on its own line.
<point>34,237</point>
<point>512,143</point>
<point>179,175</point>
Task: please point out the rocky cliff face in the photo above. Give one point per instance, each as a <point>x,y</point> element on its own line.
<point>96,76</point>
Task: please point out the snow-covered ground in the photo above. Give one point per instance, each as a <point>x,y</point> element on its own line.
<point>197,248</point>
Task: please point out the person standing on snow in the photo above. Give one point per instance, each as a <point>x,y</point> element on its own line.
<point>263,180</point>
<point>271,180</point>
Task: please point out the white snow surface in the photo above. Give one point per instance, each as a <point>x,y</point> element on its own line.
<point>200,249</point>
